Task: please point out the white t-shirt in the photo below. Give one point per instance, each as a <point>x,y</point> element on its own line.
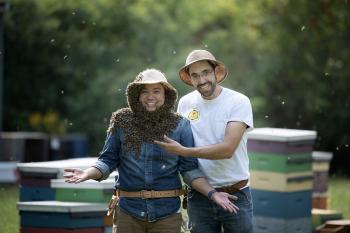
<point>208,122</point>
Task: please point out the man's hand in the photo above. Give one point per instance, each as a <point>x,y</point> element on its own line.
<point>75,175</point>
<point>225,200</point>
<point>171,146</point>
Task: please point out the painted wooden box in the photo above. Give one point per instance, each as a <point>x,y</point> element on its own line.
<point>56,214</point>
<point>283,205</point>
<point>281,141</point>
<point>279,182</point>
<point>87,191</point>
<point>277,225</point>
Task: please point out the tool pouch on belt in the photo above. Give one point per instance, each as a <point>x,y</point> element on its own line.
<point>112,203</point>
<point>184,200</point>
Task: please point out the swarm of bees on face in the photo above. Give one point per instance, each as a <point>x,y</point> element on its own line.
<point>138,125</point>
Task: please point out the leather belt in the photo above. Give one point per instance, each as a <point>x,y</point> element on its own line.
<point>148,194</point>
<point>233,188</point>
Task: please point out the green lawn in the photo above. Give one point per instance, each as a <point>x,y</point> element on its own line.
<point>339,195</point>
<point>8,215</point>
<point>339,199</point>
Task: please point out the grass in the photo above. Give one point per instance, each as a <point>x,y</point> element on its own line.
<point>9,217</point>
<point>339,199</point>
<point>339,195</point>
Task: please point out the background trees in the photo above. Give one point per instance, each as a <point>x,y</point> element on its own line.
<point>67,63</point>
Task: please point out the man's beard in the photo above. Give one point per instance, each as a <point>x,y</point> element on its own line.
<point>207,93</point>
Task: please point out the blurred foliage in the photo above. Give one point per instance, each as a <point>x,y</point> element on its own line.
<point>75,59</point>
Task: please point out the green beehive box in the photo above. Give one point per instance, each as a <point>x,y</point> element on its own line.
<point>87,191</point>
<point>281,164</point>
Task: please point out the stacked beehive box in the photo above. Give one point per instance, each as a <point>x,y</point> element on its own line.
<point>24,146</point>
<point>8,172</point>
<point>35,177</point>
<point>320,216</point>
<point>320,169</point>
<point>335,226</point>
<point>16,147</point>
<point>79,208</point>
<point>88,191</point>
<point>281,179</point>
<point>61,217</point>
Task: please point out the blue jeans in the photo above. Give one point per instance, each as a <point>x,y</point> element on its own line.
<point>207,217</point>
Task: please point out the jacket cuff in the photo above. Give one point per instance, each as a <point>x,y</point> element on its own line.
<point>103,168</point>
<point>191,175</point>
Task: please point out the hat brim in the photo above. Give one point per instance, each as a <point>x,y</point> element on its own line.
<point>165,84</point>
<point>220,72</point>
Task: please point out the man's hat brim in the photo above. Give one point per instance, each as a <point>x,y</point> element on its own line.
<point>202,55</point>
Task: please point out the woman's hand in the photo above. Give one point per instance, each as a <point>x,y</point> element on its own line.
<point>75,175</point>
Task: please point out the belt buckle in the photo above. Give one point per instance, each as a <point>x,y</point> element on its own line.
<point>145,194</point>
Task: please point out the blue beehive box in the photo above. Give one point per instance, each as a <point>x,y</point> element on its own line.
<point>8,172</point>
<point>36,193</point>
<point>284,205</point>
<point>68,146</point>
<point>277,225</point>
<point>56,214</point>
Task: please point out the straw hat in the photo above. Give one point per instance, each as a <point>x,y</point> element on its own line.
<point>153,76</point>
<point>200,55</point>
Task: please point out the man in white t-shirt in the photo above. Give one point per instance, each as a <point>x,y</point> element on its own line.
<point>220,119</point>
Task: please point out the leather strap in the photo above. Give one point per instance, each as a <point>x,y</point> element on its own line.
<point>148,194</point>
<point>233,188</point>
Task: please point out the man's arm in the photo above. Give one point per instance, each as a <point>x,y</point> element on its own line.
<point>224,150</point>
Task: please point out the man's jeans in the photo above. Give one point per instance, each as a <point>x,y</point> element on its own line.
<point>207,217</point>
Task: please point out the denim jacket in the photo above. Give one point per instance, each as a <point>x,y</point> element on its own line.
<point>152,169</point>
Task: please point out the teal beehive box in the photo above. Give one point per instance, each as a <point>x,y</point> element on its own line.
<point>298,162</point>
<point>87,191</point>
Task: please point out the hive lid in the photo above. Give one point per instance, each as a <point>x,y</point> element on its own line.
<point>88,184</point>
<point>281,135</point>
<point>61,207</point>
<point>55,167</point>
<point>322,156</point>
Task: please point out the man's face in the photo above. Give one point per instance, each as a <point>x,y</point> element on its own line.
<point>152,96</point>
<point>203,78</point>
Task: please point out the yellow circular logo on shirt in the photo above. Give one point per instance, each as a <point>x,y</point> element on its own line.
<point>193,115</point>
